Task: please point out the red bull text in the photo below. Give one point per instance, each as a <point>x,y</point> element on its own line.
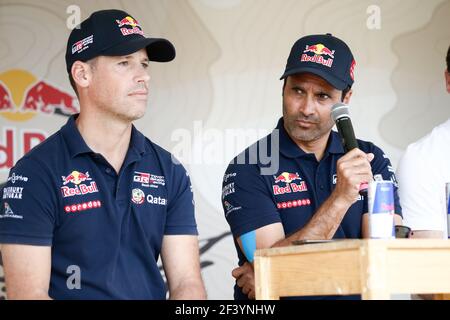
<point>290,186</point>
<point>76,178</point>
<point>320,52</point>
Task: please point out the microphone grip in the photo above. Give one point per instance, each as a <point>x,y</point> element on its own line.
<point>345,128</point>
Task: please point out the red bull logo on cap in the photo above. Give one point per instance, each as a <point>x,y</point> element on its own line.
<point>320,52</point>
<point>129,21</point>
<point>290,185</point>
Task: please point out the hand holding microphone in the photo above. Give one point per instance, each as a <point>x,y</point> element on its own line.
<point>355,165</point>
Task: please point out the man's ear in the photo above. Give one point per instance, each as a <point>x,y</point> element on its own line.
<point>81,74</point>
<point>347,97</point>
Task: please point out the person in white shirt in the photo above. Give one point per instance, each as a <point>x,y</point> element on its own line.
<point>422,173</point>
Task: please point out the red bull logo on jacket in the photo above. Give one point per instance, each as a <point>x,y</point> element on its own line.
<point>320,52</point>
<point>76,178</point>
<point>290,185</point>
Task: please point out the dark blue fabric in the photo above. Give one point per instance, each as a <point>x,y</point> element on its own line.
<point>109,225</point>
<point>252,200</point>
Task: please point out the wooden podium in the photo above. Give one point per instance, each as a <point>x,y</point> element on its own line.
<point>373,268</point>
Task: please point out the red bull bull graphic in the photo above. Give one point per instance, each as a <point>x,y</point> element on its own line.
<point>287,177</point>
<point>290,185</point>
<point>5,98</point>
<point>45,98</point>
<point>77,178</point>
<point>280,178</point>
<point>320,52</point>
<point>23,97</point>
<point>129,21</point>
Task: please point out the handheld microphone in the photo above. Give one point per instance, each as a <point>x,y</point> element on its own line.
<point>341,116</point>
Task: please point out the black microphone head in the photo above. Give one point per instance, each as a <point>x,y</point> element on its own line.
<point>339,110</point>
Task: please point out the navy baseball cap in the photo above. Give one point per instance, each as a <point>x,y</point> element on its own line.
<point>113,33</point>
<point>323,55</point>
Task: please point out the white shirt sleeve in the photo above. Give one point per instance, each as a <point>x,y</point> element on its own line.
<point>422,186</point>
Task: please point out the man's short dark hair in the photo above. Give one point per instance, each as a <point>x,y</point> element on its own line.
<point>448,59</point>
<point>344,92</point>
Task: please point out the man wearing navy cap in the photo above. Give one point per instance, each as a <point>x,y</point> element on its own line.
<point>88,213</point>
<point>314,193</point>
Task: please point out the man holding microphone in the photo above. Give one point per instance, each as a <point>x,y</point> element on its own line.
<point>315,193</point>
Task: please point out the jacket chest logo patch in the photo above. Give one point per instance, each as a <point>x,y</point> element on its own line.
<point>286,183</point>
<point>75,184</point>
<point>139,197</point>
<point>149,180</point>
